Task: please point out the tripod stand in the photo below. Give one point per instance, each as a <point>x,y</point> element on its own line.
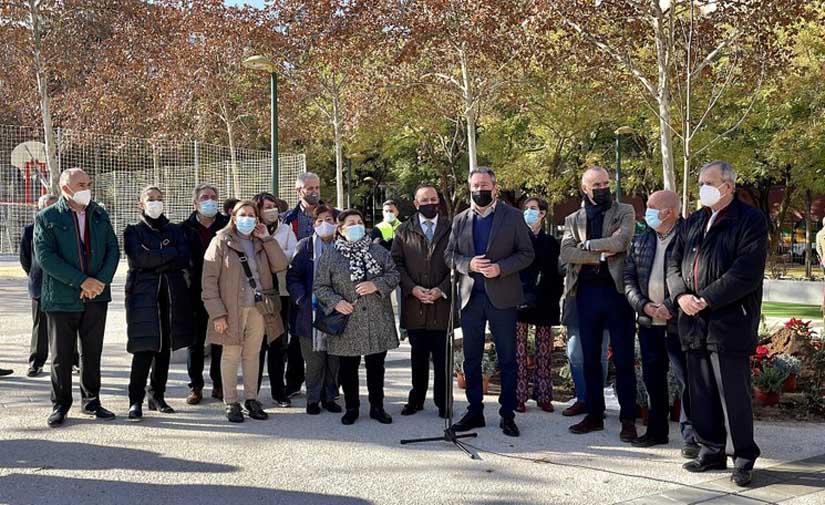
<point>449,433</point>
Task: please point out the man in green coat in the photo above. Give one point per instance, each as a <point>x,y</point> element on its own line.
<point>77,249</point>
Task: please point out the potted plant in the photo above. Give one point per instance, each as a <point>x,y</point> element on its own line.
<point>768,384</point>
<point>792,366</point>
<point>458,368</point>
<point>489,365</point>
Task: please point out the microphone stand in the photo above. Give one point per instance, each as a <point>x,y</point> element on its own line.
<point>449,434</point>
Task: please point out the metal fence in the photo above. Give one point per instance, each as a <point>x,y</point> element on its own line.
<point>121,166</point>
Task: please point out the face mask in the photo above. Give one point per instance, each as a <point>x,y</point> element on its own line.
<point>82,197</point>
<point>208,208</point>
<point>389,217</point>
<point>270,216</point>
<point>355,232</point>
<point>312,198</point>
<point>153,209</point>
<point>709,195</point>
<point>482,198</point>
<point>245,224</point>
<point>602,197</point>
<point>428,210</point>
<point>325,229</point>
<point>531,216</point>
<point>652,218</point>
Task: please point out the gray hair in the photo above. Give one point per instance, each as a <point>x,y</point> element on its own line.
<point>67,174</point>
<point>43,201</point>
<point>594,168</point>
<point>482,170</point>
<point>304,177</point>
<point>727,171</point>
<point>200,188</point>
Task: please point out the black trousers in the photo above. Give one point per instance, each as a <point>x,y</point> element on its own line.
<point>426,344</point>
<point>720,397</point>
<point>156,361</point>
<point>294,366</point>
<point>65,328</point>
<point>348,373</point>
<point>274,356</point>
<point>194,364</point>
<point>39,348</point>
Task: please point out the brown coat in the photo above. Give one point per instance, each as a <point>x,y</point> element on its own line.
<point>223,277</point>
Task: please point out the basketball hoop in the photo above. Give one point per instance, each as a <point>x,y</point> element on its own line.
<point>30,158</point>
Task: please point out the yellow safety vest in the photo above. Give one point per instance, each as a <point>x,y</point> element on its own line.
<point>388,230</point>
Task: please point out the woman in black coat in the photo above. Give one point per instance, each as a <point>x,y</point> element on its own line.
<point>158,305</point>
<point>543,286</point>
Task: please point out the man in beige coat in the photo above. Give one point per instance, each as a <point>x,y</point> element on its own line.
<point>595,244</point>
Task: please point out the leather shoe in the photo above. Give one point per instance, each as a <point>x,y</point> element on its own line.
<point>699,465</point>
<point>157,403</point>
<point>587,425</point>
<point>410,409</point>
<point>332,407</point>
<point>521,407</point>
<point>217,393</point>
<point>547,407</point>
<point>648,440</point>
<point>576,409</point>
<point>313,409</point>
<point>195,396</point>
<point>349,417</point>
<point>281,401</point>
<point>136,412</point>
<point>380,415</point>
<point>628,433</point>
<point>57,418</point>
<point>470,421</point>
<point>509,428</point>
<point>99,412</point>
<point>234,413</point>
<point>690,451</point>
<point>34,371</point>
<point>5,371</point>
<point>741,477</point>
<point>255,410</point>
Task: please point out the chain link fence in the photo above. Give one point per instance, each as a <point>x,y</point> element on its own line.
<point>122,166</point>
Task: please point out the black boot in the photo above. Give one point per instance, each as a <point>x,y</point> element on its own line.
<point>350,416</point>
<point>136,412</point>
<point>157,403</point>
<point>380,415</point>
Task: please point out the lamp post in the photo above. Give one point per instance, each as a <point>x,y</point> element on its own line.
<point>624,130</point>
<point>264,64</point>
<point>371,180</point>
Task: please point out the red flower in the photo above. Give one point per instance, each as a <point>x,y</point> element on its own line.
<point>762,351</point>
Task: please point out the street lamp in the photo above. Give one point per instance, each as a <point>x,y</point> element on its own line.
<point>624,130</point>
<point>371,180</point>
<point>264,64</point>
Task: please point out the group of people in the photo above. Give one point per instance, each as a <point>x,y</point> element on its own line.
<point>309,290</point>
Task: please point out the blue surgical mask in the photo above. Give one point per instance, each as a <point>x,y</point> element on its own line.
<point>531,216</point>
<point>245,224</point>
<point>355,232</point>
<point>208,208</point>
<point>652,218</point>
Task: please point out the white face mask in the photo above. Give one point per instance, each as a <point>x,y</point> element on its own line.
<point>270,215</point>
<point>389,217</point>
<point>153,209</point>
<point>83,197</point>
<point>325,229</point>
<point>709,195</point>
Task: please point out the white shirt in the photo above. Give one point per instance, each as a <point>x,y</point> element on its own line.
<point>423,220</point>
<point>286,239</point>
<point>81,224</point>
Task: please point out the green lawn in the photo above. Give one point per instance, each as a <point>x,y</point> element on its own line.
<point>789,310</point>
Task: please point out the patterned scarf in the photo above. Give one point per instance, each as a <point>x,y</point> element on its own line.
<point>360,259</point>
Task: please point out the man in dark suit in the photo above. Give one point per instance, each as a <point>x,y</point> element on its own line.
<point>418,252</point>
<point>39,348</point>
<point>489,245</point>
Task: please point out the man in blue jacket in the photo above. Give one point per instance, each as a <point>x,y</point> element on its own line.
<point>78,252</point>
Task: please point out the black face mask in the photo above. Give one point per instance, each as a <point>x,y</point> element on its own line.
<point>482,198</point>
<point>602,197</point>
<point>428,210</point>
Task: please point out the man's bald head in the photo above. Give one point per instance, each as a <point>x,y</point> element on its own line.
<point>663,199</point>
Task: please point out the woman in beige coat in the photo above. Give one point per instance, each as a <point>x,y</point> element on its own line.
<point>229,297</point>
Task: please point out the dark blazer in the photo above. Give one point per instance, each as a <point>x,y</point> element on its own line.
<point>299,284</point>
<point>726,267</point>
<point>543,284</point>
<point>28,260</point>
<point>509,246</point>
<point>158,263</point>
<point>637,275</point>
<point>422,264</point>
<point>197,250</point>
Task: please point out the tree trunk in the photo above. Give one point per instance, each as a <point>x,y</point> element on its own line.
<point>41,74</point>
<point>339,150</point>
<point>470,112</point>
<point>663,100</point>
<point>808,226</point>
<point>233,160</point>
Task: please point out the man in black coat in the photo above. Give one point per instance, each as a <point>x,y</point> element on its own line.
<point>201,228</point>
<point>646,289</point>
<point>39,348</point>
<point>418,251</point>
<point>715,275</point>
<point>489,245</point>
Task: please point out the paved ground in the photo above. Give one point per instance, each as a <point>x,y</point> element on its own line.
<point>196,457</point>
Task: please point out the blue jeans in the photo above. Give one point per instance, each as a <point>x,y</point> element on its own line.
<point>600,307</point>
<point>576,358</point>
<point>474,317</point>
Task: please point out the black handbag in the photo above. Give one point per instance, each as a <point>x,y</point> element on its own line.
<point>333,323</point>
